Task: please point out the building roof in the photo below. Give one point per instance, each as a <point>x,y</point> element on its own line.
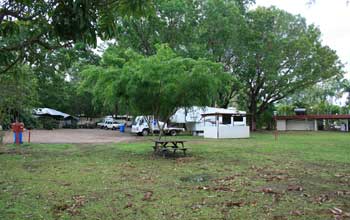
<point>52,112</point>
<point>305,117</point>
<point>195,113</point>
<point>223,113</point>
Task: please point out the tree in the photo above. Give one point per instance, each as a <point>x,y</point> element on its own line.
<point>57,77</point>
<point>18,95</point>
<point>156,85</point>
<point>210,29</point>
<point>191,28</point>
<point>282,56</point>
<point>28,27</point>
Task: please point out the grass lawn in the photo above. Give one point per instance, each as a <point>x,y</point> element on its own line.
<point>303,175</point>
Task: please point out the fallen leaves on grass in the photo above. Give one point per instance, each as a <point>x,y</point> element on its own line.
<point>73,208</point>
<point>295,188</point>
<point>342,192</point>
<point>279,217</point>
<point>185,159</point>
<point>129,205</point>
<point>339,214</point>
<point>227,179</point>
<point>196,207</point>
<point>216,188</point>
<point>296,213</point>
<point>336,211</point>
<point>269,190</point>
<point>147,196</point>
<point>322,198</point>
<point>234,204</point>
<point>79,202</point>
<point>341,175</point>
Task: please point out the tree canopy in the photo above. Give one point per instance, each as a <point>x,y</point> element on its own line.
<point>283,55</point>
<point>29,27</point>
<point>153,85</point>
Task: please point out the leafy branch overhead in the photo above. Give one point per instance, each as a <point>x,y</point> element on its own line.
<point>30,27</point>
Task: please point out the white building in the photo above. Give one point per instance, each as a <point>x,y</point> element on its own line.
<point>201,119</point>
<point>224,126</point>
<point>312,122</point>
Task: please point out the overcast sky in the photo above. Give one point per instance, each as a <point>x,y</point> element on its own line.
<point>331,16</point>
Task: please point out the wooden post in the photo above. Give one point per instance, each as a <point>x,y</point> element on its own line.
<point>276,131</point>
<point>29,136</point>
<point>217,126</point>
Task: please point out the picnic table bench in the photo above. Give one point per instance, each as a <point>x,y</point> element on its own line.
<point>163,146</point>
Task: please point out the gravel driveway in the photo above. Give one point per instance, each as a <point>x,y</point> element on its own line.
<point>75,136</point>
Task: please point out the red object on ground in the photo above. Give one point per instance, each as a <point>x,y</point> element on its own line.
<point>17,127</point>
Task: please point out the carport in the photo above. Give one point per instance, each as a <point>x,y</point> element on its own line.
<point>312,122</point>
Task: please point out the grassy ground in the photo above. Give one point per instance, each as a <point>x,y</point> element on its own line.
<point>300,176</point>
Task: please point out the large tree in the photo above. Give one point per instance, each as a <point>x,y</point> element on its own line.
<point>209,29</point>
<point>29,27</point>
<point>153,85</point>
<point>282,56</point>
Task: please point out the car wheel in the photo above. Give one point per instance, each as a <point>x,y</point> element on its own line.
<point>145,132</point>
<point>173,133</point>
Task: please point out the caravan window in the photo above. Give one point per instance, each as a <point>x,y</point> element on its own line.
<point>238,118</point>
<point>226,119</point>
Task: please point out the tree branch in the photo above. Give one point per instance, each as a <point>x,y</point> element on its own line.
<point>11,65</point>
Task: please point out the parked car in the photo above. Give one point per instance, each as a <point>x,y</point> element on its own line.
<point>114,125</point>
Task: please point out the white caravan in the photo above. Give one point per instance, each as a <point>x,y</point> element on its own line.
<point>140,127</point>
<point>194,121</point>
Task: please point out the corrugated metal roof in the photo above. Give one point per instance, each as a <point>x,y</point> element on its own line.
<point>50,112</point>
<point>304,117</point>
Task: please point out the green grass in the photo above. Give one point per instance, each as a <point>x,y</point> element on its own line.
<point>219,179</point>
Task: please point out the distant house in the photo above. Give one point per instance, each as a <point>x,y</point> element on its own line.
<point>305,122</point>
<point>62,119</point>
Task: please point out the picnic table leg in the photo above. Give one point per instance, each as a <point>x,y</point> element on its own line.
<point>183,146</point>
<point>174,147</point>
<point>155,147</point>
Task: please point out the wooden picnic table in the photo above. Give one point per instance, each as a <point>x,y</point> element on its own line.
<point>162,146</point>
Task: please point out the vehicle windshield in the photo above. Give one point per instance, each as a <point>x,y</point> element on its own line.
<point>134,122</point>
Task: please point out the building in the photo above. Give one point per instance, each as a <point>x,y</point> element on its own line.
<point>194,121</point>
<point>52,118</point>
<point>222,125</point>
<point>306,122</point>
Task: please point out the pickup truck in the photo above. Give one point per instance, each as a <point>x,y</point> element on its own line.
<point>140,127</point>
<point>114,125</point>
<point>109,124</point>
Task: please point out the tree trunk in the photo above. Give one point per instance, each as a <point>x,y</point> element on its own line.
<point>253,114</point>
<point>2,135</point>
<point>253,122</point>
<point>161,129</point>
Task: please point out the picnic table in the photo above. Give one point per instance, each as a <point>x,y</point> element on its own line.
<point>163,146</point>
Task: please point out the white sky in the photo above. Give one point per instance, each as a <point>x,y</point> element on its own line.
<point>331,16</point>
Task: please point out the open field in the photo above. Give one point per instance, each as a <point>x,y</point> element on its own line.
<point>301,176</point>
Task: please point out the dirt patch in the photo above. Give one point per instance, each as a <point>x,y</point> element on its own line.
<point>68,136</point>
